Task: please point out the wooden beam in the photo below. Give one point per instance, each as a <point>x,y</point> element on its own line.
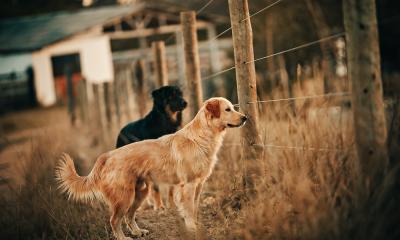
<point>151,31</point>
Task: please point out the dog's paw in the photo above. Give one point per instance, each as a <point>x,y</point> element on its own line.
<point>190,225</point>
<point>159,208</point>
<point>140,233</point>
<point>144,232</point>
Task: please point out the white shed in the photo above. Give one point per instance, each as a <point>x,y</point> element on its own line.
<point>41,41</point>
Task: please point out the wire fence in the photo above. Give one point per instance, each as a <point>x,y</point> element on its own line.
<point>304,45</point>
<point>301,46</point>
<point>200,10</point>
<point>300,148</point>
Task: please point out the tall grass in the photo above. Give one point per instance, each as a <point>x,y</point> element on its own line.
<point>34,209</point>
<point>308,186</point>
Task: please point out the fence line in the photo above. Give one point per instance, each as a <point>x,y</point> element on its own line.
<point>221,33</point>
<point>218,73</point>
<point>252,15</point>
<point>262,10</point>
<point>204,7</point>
<point>303,97</point>
<point>302,148</point>
<point>279,53</point>
<point>167,40</point>
<point>291,147</point>
<point>300,46</point>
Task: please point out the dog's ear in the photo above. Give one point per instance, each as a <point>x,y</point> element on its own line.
<point>158,96</point>
<point>213,108</point>
<point>155,94</point>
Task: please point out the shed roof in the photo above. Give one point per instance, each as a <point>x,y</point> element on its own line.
<point>25,34</point>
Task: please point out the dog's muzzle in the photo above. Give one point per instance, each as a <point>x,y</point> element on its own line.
<point>244,119</point>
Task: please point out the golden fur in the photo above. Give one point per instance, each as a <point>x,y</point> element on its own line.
<point>186,158</point>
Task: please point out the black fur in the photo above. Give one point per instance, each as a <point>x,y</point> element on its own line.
<point>158,121</point>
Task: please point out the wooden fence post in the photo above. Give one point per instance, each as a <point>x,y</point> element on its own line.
<point>129,92</point>
<point>180,61</point>
<point>83,101</point>
<point>100,110</point>
<point>160,63</point>
<point>107,102</point>
<point>70,94</point>
<point>367,99</point>
<point>246,88</point>
<point>140,86</point>
<point>115,95</point>
<point>192,60</point>
<point>112,108</point>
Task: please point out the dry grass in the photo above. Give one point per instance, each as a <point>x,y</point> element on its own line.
<point>309,193</point>
<point>34,209</point>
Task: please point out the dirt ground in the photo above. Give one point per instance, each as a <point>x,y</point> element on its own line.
<point>20,130</point>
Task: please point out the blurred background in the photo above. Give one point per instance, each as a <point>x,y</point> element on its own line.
<point>73,72</point>
<point>97,40</point>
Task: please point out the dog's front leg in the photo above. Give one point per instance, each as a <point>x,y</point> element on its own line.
<point>185,204</point>
<point>199,188</point>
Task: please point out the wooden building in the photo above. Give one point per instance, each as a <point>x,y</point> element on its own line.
<point>95,42</point>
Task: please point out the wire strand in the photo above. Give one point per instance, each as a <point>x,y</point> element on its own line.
<point>252,15</point>
<point>197,12</point>
<point>300,148</point>
<point>169,38</point>
<point>204,7</point>
<point>299,47</point>
<point>289,147</point>
<point>218,73</point>
<point>221,33</point>
<point>262,10</point>
<point>303,97</point>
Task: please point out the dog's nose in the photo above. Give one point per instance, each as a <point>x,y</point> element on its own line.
<point>184,103</point>
<point>244,118</point>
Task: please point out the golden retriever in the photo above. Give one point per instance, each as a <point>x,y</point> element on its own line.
<point>186,158</point>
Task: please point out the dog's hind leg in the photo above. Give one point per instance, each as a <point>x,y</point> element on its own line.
<point>118,212</point>
<point>142,190</point>
<point>120,198</point>
<point>158,203</point>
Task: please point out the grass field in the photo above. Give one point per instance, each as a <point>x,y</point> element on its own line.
<point>307,184</point>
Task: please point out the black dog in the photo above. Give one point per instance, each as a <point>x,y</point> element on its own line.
<point>164,118</point>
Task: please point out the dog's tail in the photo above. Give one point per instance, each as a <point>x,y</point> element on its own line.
<point>77,187</point>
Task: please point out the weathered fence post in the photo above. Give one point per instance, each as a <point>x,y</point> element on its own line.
<point>112,108</point>
<point>192,60</point>
<point>116,94</point>
<point>83,101</point>
<point>365,75</point>
<point>107,102</point>
<point>129,93</point>
<point>246,81</point>
<point>160,63</point>
<point>140,86</point>
<point>70,94</point>
<point>100,110</point>
<point>180,60</point>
